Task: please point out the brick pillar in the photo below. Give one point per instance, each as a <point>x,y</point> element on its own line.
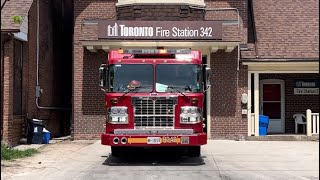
<point>77,91</point>
<point>8,91</point>
<point>227,85</point>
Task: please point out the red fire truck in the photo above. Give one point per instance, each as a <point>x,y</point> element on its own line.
<point>154,98</point>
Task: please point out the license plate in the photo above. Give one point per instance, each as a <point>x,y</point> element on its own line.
<point>154,140</point>
<point>169,140</point>
<point>184,140</point>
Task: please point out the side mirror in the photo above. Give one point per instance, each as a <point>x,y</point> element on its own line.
<point>103,76</point>
<point>208,73</point>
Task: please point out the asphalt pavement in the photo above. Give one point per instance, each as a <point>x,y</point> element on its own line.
<point>220,159</point>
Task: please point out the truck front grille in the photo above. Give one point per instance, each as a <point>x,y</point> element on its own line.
<point>154,111</point>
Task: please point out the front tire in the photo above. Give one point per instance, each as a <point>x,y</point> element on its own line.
<point>116,151</point>
<point>194,151</point>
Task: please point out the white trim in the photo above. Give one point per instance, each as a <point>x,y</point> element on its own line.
<point>207,46</point>
<point>249,106</point>
<point>283,67</point>
<point>284,72</point>
<point>180,2</point>
<point>21,36</point>
<point>277,63</point>
<point>209,102</point>
<point>92,48</point>
<point>256,103</point>
<point>282,86</point>
<point>308,116</point>
<point>214,49</point>
<point>207,53</point>
<point>229,48</point>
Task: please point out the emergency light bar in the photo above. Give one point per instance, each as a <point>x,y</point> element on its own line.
<point>154,51</point>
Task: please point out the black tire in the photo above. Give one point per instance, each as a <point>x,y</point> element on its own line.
<point>194,151</point>
<point>116,151</point>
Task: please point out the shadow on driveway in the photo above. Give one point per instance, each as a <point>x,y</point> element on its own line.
<point>154,157</point>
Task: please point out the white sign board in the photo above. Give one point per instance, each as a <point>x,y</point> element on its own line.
<point>303,91</point>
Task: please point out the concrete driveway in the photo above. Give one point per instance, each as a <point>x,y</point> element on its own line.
<point>221,159</point>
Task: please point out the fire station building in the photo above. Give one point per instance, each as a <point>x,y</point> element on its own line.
<point>264,56</point>
<point>262,52</point>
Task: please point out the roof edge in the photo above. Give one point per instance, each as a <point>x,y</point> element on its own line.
<point>10,30</point>
<point>281,60</point>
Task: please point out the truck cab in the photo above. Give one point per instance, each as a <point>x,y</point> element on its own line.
<point>154,98</point>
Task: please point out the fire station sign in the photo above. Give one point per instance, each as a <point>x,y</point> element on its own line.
<point>160,30</point>
<point>304,87</point>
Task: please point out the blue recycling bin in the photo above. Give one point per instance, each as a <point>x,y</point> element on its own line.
<point>46,137</point>
<point>263,125</point>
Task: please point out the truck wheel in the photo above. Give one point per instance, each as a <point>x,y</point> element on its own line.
<point>194,151</point>
<point>116,151</point>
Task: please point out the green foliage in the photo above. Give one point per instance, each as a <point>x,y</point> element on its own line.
<point>9,154</point>
<point>17,19</point>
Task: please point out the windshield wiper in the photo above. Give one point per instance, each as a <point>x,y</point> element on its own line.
<point>176,89</point>
<point>131,90</point>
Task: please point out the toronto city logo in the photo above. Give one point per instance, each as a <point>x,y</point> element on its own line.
<point>113,30</point>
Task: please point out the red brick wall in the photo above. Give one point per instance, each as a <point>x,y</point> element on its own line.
<point>90,123</point>
<point>230,32</point>
<point>88,104</point>
<point>295,103</point>
<point>12,124</point>
<point>227,85</point>
<point>160,13</point>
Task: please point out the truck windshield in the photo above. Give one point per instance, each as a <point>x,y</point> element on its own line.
<point>120,76</point>
<point>181,77</point>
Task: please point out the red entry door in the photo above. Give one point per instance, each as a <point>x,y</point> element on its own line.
<point>272,104</point>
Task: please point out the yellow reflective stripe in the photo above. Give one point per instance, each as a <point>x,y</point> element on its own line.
<point>137,140</point>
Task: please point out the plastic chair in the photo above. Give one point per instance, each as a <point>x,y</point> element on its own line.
<point>299,119</point>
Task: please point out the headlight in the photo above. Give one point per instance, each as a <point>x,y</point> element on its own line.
<point>118,110</point>
<point>122,111</point>
<point>118,115</point>
<point>114,111</point>
<point>190,115</point>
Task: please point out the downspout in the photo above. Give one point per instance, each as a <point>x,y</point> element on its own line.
<point>38,86</point>
<point>254,30</point>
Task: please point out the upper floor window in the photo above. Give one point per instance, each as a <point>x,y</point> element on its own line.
<point>147,2</point>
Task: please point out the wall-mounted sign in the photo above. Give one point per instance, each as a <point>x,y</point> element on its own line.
<point>306,86</point>
<point>160,30</point>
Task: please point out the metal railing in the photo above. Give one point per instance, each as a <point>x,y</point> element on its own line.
<point>312,123</point>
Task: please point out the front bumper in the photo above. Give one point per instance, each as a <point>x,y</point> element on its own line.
<point>165,140</point>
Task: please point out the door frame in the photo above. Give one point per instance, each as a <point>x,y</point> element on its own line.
<point>282,87</point>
